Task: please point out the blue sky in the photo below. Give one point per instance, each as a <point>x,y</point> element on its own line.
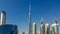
<point>17,12</point>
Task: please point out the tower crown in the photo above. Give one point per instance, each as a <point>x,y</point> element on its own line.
<point>3,12</point>
<point>55,20</point>
<point>34,23</point>
<point>47,24</point>
<point>41,21</point>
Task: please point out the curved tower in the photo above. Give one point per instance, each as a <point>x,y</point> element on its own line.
<point>3,18</point>
<point>54,27</point>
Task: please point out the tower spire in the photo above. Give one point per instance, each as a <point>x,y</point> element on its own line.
<point>30,8</point>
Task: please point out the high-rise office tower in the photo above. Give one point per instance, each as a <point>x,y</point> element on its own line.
<point>54,27</point>
<point>3,18</point>
<point>34,28</point>
<point>30,22</point>
<point>52,31</point>
<point>47,29</point>
<point>42,27</point>
<point>56,30</point>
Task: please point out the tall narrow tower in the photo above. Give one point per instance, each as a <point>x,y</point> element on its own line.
<point>30,23</point>
<point>47,28</point>
<point>42,27</point>
<point>34,28</point>
<point>3,18</point>
<point>56,26</point>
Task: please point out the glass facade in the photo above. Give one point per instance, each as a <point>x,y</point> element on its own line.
<point>8,29</point>
<point>42,29</point>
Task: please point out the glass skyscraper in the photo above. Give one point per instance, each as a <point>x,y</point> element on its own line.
<point>42,27</point>
<point>47,28</point>
<point>52,29</point>
<point>8,29</point>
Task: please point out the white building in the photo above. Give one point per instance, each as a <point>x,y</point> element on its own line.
<point>54,27</point>
<point>34,28</point>
<point>47,29</point>
<point>3,18</point>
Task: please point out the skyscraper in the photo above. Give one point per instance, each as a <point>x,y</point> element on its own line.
<point>34,28</point>
<point>47,29</point>
<point>56,26</point>
<point>52,31</point>
<point>30,23</point>
<point>3,18</point>
<point>42,27</point>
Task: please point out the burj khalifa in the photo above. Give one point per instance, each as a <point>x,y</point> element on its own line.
<point>30,22</point>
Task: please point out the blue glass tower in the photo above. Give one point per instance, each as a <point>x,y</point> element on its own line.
<point>8,29</point>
